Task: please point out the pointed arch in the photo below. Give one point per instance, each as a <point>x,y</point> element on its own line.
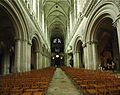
<point>18,20</point>
<point>35,50</point>
<point>78,52</point>
<point>19,29</point>
<point>107,9</point>
<point>100,26</point>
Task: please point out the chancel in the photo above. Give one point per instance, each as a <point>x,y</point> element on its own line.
<point>59,47</point>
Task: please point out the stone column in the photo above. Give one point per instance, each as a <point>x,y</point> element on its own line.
<point>75,12</point>
<point>76,59</point>
<point>29,56</point>
<point>70,22</point>
<point>37,58</point>
<point>6,63</point>
<point>23,66</point>
<point>117,25</point>
<point>85,56</point>
<point>43,21</point>
<point>47,61</point>
<point>68,28</point>
<point>91,55</point>
<point>43,61</point>
<point>94,55</point>
<point>17,61</point>
<point>40,60</point>
<point>46,57</point>
<point>67,59</point>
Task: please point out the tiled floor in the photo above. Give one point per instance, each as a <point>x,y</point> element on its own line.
<point>61,85</point>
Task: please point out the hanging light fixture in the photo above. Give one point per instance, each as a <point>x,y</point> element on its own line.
<point>57,56</point>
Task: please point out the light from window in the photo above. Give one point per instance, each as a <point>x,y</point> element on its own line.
<point>56,40</point>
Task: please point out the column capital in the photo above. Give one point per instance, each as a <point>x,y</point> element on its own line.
<point>84,45</point>
<point>24,40</point>
<point>77,52</point>
<point>116,21</point>
<point>38,51</point>
<point>30,43</point>
<point>92,42</point>
<point>17,39</point>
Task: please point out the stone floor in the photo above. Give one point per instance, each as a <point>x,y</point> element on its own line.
<point>61,85</point>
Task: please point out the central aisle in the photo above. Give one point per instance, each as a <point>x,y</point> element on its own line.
<point>61,85</point>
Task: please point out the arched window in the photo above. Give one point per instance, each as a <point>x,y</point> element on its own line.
<point>56,40</point>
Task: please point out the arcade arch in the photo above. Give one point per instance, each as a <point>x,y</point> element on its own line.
<point>101,41</point>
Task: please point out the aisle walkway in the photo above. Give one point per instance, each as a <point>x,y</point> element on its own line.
<point>61,85</point>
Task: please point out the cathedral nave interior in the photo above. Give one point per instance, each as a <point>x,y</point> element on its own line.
<point>67,47</point>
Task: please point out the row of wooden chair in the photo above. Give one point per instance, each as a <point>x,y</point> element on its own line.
<point>34,82</point>
<point>94,82</point>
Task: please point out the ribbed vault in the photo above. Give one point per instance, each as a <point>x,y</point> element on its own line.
<point>56,16</point>
<point>56,13</point>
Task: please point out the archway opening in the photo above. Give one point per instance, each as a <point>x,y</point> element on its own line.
<point>57,51</point>
<point>107,38</point>
<point>34,54</point>
<point>79,53</point>
<point>7,42</point>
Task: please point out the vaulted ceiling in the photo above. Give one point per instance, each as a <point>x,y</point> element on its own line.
<point>56,16</point>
